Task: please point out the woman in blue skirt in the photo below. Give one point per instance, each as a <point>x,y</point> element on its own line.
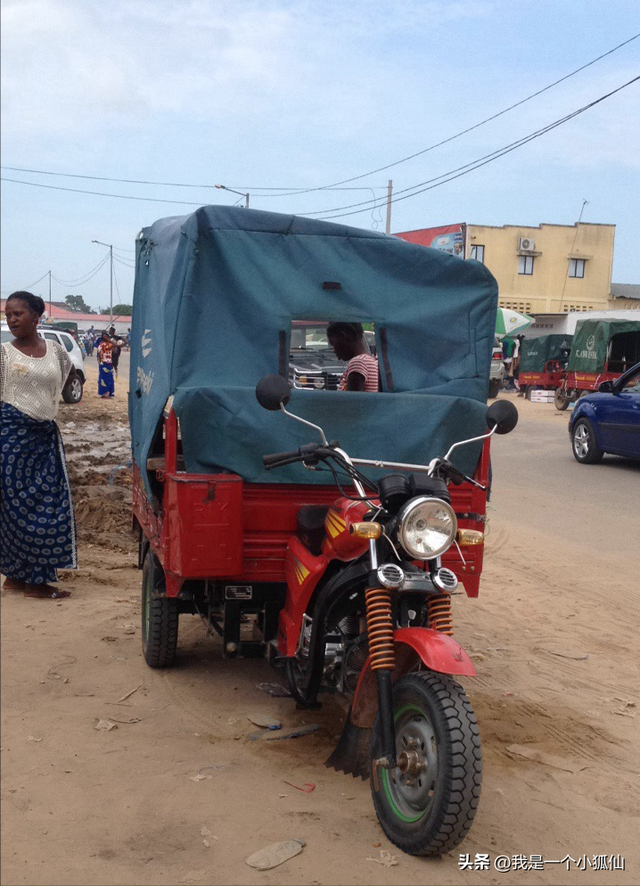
<point>106,374</point>
<point>37,521</point>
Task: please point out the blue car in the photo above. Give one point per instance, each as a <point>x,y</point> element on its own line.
<point>608,420</point>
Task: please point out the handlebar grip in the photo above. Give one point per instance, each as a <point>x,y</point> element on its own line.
<point>276,458</point>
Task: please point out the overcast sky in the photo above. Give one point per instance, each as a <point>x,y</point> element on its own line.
<point>262,95</point>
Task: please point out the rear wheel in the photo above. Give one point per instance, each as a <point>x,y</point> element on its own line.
<point>561,400</point>
<point>527,393</point>
<point>584,444</point>
<point>159,616</point>
<point>427,803</point>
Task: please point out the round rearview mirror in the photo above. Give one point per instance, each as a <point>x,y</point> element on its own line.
<point>503,416</point>
<point>272,390</point>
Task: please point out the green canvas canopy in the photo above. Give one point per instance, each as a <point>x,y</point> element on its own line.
<point>598,342</point>
<point>215,296</point>
<point>534,352</point>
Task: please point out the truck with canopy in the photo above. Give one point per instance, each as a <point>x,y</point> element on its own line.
<point>542,362</point>
<point>601,350</point>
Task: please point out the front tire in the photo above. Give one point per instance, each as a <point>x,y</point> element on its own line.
<point>494,387</point>
<point>159,616</point>
<point>427,804</point>
<point>560,400</point>
<point>72,391</point>
<point>583,443</point>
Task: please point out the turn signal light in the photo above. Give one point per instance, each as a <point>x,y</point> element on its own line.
<point>366,530</point>
<point>467,537</point>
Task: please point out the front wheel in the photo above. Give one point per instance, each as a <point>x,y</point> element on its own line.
<point>494,387</point>
<point>159,616</point>
<point>561,401</point>
<point>427,803</point>
<point>584,444</point>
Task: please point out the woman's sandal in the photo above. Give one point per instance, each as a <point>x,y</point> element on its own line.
<point>45,592</point>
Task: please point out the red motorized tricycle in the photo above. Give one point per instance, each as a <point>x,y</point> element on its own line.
<point>543,363</point>
<point>340,565</point>
<point>601,350</point>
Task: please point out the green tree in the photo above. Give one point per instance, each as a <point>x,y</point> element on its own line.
<point>77,303</point>
<point>126,310</point>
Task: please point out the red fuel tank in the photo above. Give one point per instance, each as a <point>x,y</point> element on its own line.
<point>339,542</point>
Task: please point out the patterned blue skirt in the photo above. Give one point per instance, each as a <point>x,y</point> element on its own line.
<point>37,520</point>
<point>106,380</point>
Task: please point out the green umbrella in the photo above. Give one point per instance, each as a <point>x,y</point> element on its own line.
<point>508,321</point>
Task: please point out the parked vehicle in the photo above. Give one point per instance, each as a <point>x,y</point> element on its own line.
<point>69,326</point>
<point>608,420</point>
<point>496,373</point>
<point>72,391</point>
<point>543,362</point>
<point>601,350</point>
<point>342,579</point>
<point>312,361</point>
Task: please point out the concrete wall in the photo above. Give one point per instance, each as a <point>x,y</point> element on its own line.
<point>549,289</point>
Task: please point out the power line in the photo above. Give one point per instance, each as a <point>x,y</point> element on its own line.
<point>85,279</point>
<point>123,262</point>
<point>482,122</point>
<point>289,190</point>
<point>31,285</point>
<point>474,164</point>
<point>135,181</point>
<point>97,193</point>
<point>369,204</point>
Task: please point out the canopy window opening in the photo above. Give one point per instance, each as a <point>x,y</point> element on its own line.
<point>624,351</point>
<point>323,354</point>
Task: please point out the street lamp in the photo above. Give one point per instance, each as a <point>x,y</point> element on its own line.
<point>110,247</point>
<point>246,196</point>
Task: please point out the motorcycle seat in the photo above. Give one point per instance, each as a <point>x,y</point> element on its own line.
<point>310,528</point>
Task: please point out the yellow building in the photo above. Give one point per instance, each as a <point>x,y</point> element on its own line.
<point>549,268</point>
<point>540,270</point>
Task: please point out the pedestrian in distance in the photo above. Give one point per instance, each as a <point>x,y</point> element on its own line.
<point>37,520</point>
<point>117,344</point>
<point>106,375</point>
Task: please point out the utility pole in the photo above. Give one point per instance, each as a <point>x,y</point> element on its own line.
<point>110,247</point>
<point>111,284</point>
<point>246,196</point>
<point>49,295</point>
<point>389,192</point>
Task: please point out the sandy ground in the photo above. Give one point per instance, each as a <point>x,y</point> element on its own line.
<point>174,792</point>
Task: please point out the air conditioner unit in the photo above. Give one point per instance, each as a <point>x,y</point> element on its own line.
<point>526,245</point>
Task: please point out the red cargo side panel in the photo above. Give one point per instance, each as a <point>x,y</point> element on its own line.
<point>203,525</point>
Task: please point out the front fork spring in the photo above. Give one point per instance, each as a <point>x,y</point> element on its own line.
<point>380,629</point>
<point>439,611</point>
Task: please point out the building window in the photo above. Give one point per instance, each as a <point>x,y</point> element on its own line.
<point>477,252</point>
<point>525,264</point>
<point>576,267</point>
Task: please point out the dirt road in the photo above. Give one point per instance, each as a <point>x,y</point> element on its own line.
<point>175,792</point>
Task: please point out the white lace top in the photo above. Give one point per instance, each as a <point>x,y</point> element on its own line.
<point>34,384</point>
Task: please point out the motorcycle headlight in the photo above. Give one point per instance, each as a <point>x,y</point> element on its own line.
<point>426,527</point>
